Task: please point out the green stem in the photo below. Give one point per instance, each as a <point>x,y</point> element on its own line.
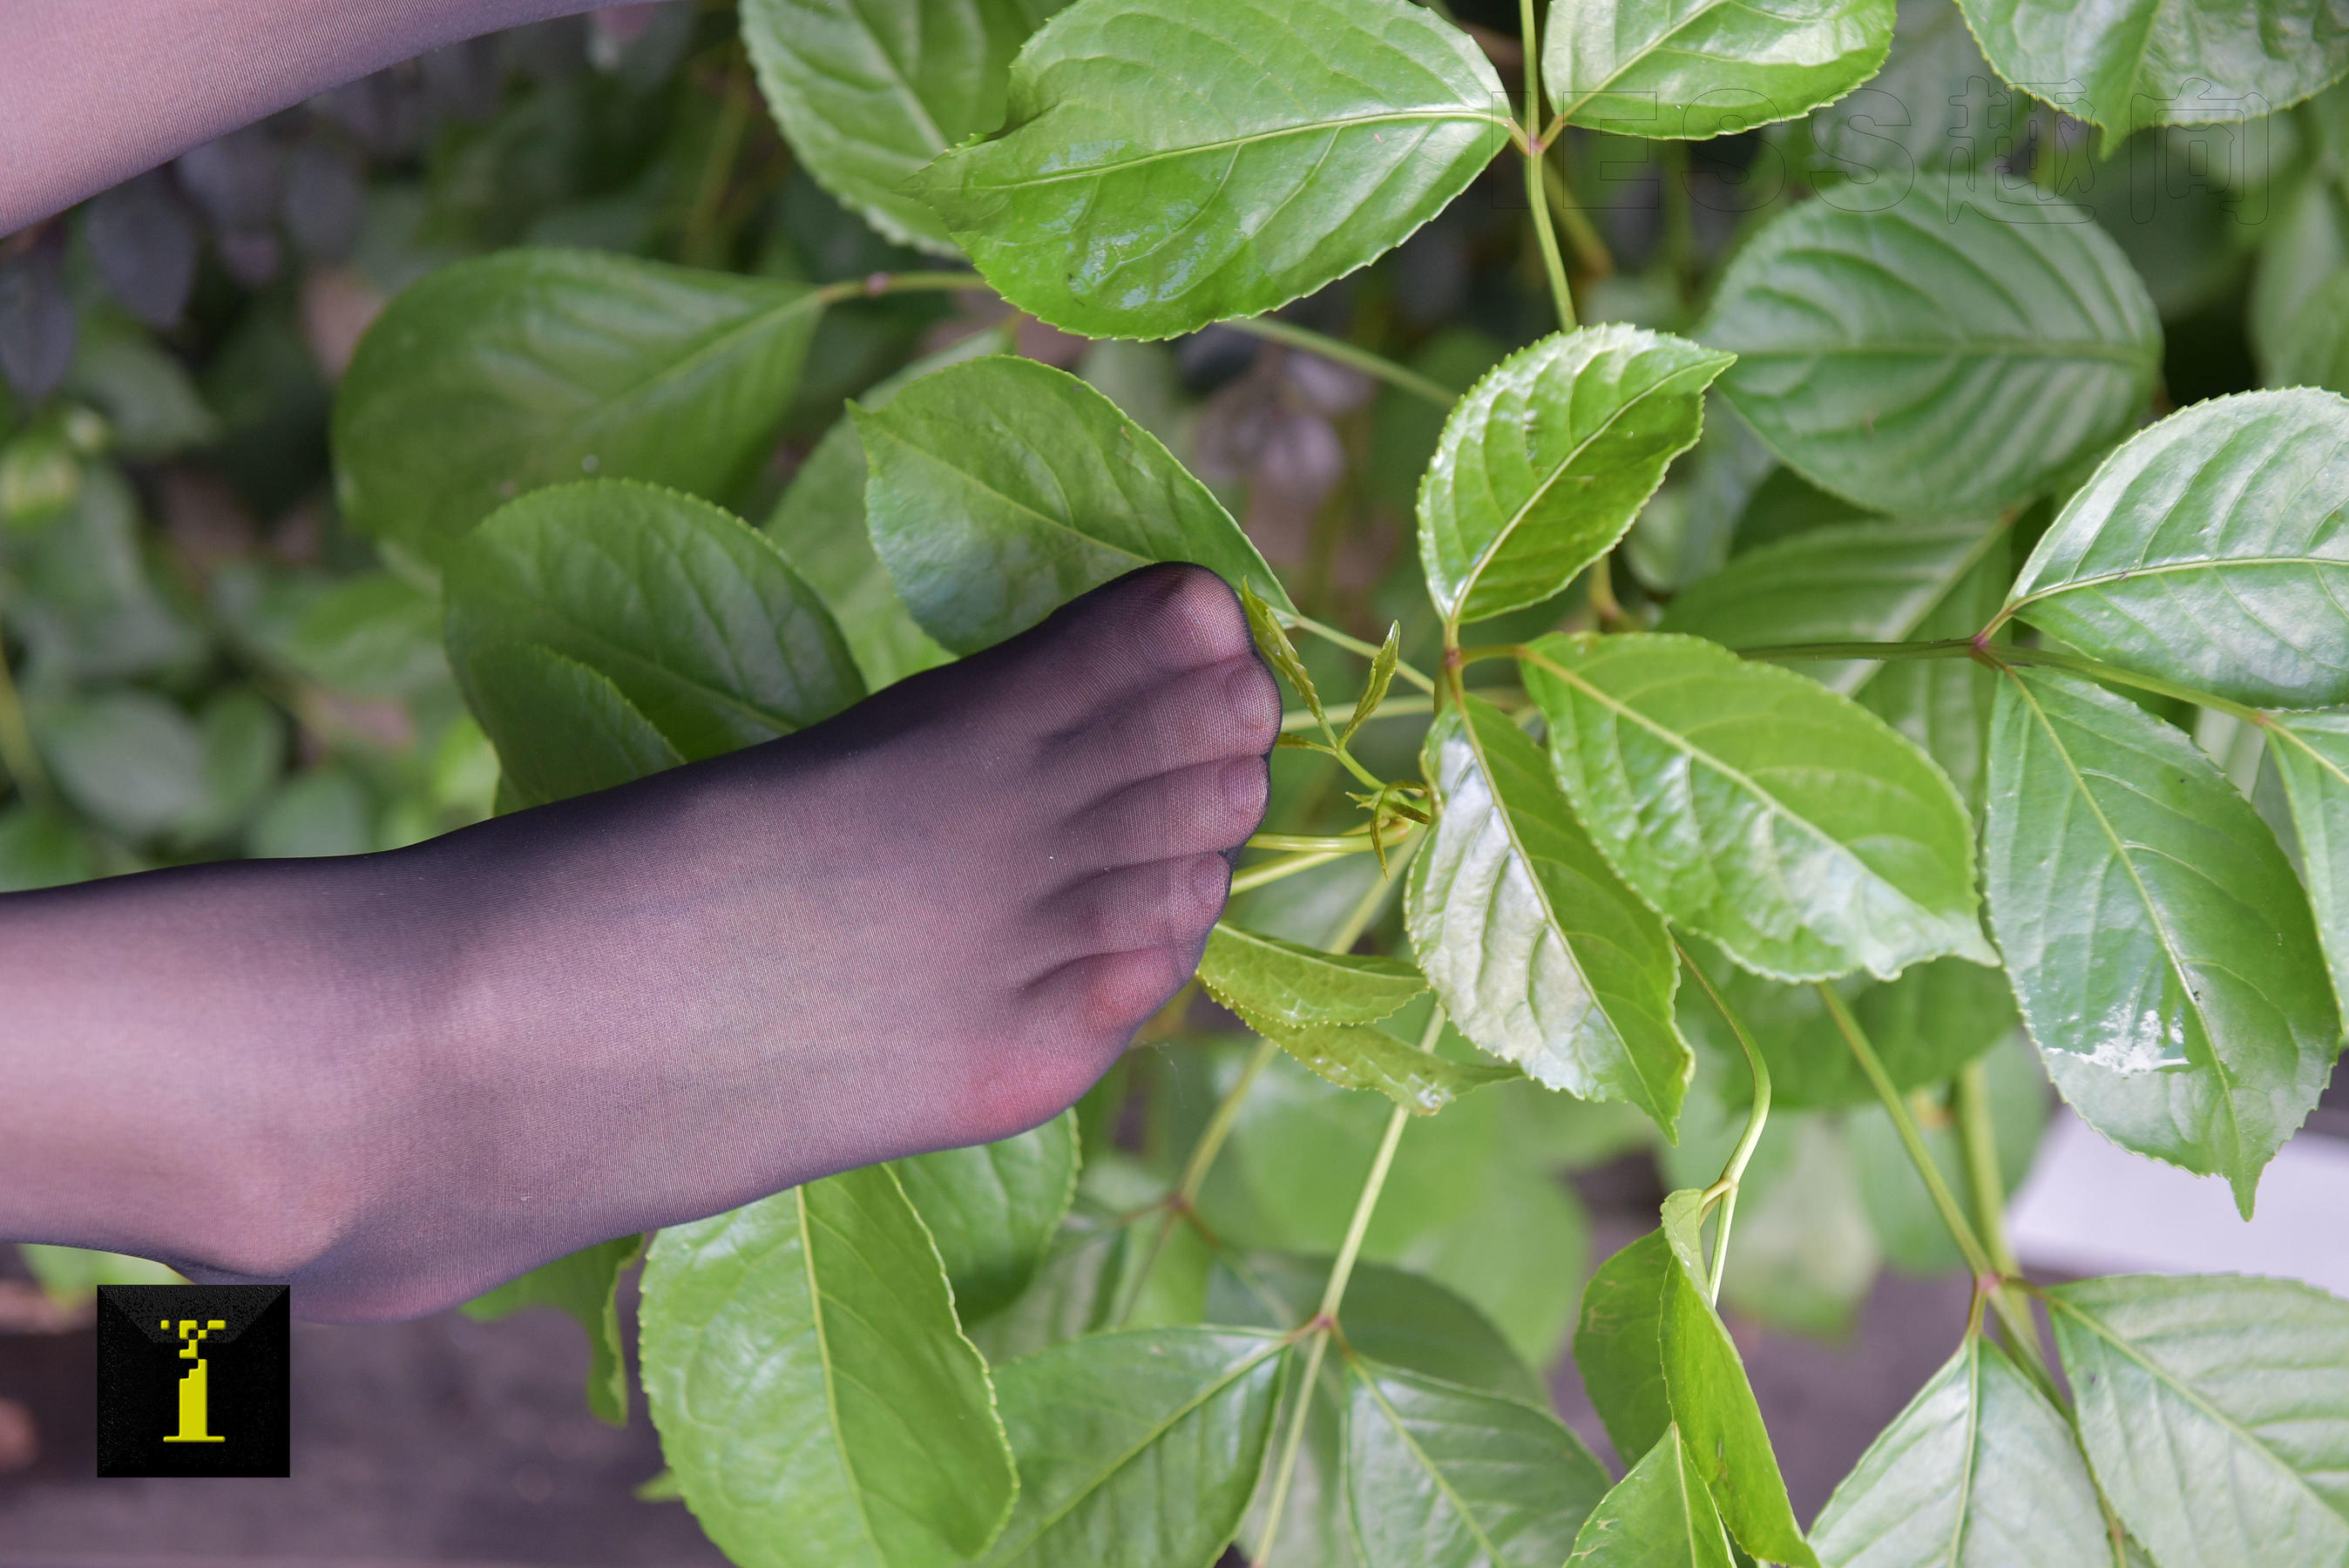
<point>1326,1317</point>
<point>1286,866</point>
<point>1309,844</point>
<point>1978,1140</point>
<point>1274,330</point>
<point>1739,1157</point>
<point>1355,645</point>
<point>1591,252</point>
<point>717,166</point>
<point>1536,189</point>
<point>19,757</point>
<point>2022,1333</point>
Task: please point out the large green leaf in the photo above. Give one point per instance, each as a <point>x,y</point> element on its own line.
<point>2167,62</point>
<point>1788,824</point>
<point>2212,549</point>
<point>1873,582</point>
<point>1274,984</point>
<point>1390,1315</point>
<point>820,526</point>
<point>868,91</point>
<point>691,615</point>
<point>1933,366</point>
<point>581,1283</point>
<point>1001,489</point>
<point>2215,1410</point>
<point>1657,1360</point>
<point>993,1208</point>
<point>1547,460</point>
<point>2159,945</point>
<point>814,1394</point>
<point>1657,1516</point>
<point>561,728</point>
<point>1696,68</point>
<point>1541,956</point>
<point>2310,751</point>
<point>1979,1471</point>
<point>1934,103</point>
<point>527,367</point>
<point>1440,1476</point>
<point>1366,1056</point>
<point>1137,1449</point>
<point>1165,164</point>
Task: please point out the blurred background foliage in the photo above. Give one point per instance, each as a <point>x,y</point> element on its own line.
<point>202,661</point>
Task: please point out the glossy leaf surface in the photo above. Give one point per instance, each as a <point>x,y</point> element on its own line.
<point>1548,460</point>
<point>1698,69</point>
<point>1139,1448</point>
<point>1275,984</point>
<point>2167,62</point>
<point>1001,489</point>
<point>1926,365</point>
<point>1786,824</point>
<point>527,367</point>
<point>2311,752</point>
<point>1165,165</point>
<point>993,1210</point>
<point>1439,1476</point>
<point>1979,1471</point>
<point>2159,945</point>
<point>2212,549</point>
<point>868,91</point>
<point>1540,955</point>
<point>815,1395</point>
<point>1657,1516</point>
<point>2215,1409</point>
<point>693,617</point>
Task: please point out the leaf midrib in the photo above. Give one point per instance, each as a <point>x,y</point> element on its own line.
<point>595,414</point>
<point>1443,1483</point>
<point>2166,567</point>
<point>823,1359</point>
<point>1192,149</point>
<point>1151,1435</point>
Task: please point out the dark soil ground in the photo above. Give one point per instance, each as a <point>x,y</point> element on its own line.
<point>450,1442</point>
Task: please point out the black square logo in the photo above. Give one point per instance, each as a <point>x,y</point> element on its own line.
<point>192,1379</point>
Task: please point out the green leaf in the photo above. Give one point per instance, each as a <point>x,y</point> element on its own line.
<point>1934,102</point>
<point>1657,1516</point>
<point>1930,366</point>
<point>1788,824</point>
<point>1548,460</point>
<point>1390,1315</point>
<point>2215,1410</point>
<point>820,526</point>
<point>1873,582</point>
<point>562,729</point>
<point>2314,349</point>
<point>372,636</point>
<point>1540,955</point>
<point>42,847</point>
<point>1979,1471</point>
<point>1165,165</point>
<point>1698,69</point>
<point>2167,62</point>
<point>498,375</point>
<point>2158,944</point>
<point>1443,1477</point>
<point>1364,1055</point>
<point>993,1208</point>
<point>814,1394</point>
<point>867,93</point>
<point>1272,642</point>
<point>694,617</point>
<point>2311,752</point>
<point>130,760</point>
<point>582,1284</point>
<point>2213,549</point>
<point>1138,1449</point>
<point>1002,489</point>
<point>1619,1344</point>
<point>1274,984</point>
<point>1374,689</point>
<point>69,1276</point>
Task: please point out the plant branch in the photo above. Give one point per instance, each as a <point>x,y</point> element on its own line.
<point>1726,1187</point>
<point>1537,190</point>
<point>1356,646</point>
<point>1286,866</point>
<point>698,245</point>
<point>1978,1140</point>
<point>1274,330</point>
<point>1591,252</point>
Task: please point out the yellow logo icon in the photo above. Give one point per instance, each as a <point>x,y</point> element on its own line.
<point>195,1390</point>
